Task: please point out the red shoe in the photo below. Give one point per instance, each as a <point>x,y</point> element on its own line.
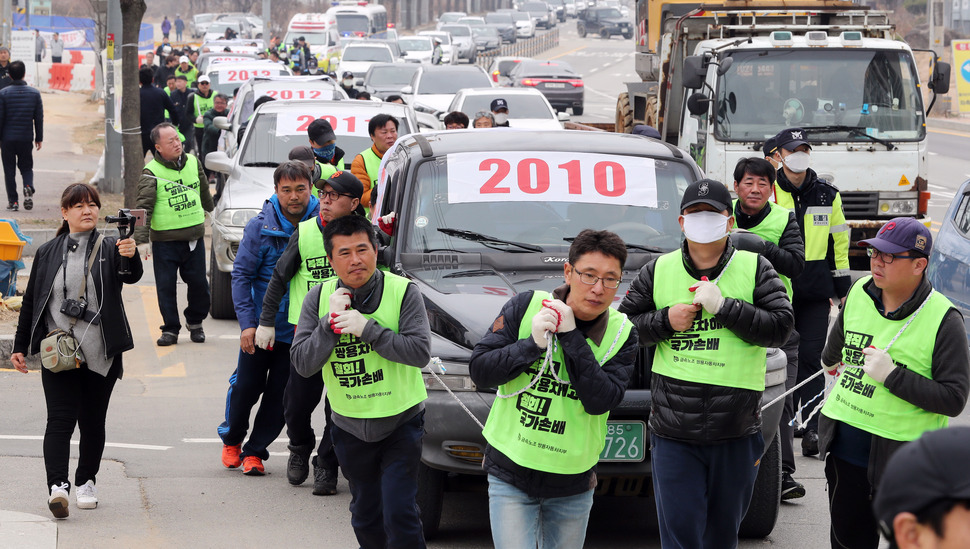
<point>230,455</point>
<point>252,465</point>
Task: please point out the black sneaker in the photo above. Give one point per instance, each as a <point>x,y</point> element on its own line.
<point>197,335</point>
<point>800,432</point>
<point>168,338</point>
<point>324,481</point>
<point>790,488</point>
<point>13,206</point>
<point>28,201</point>
<point>298,465</point>
<point>810,444</point>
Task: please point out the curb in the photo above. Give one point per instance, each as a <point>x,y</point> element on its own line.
<point>955,124</point>
<point>6,349</point>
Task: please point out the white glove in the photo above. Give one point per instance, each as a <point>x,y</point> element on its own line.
<point>544,321</point>
<point>340,300</point>
<point>878,364</point>
<point>388,219</point>
<point>198,120</point>
<point>265,337</point>
<point>564,314</point>
<point>707,295</point>
<point>145,250</point>
<point>348,322</point>
<point>831,369</point>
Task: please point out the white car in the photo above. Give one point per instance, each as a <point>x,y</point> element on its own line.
<point>448,48</point>
<point>464,41</point>
<point>525,25</point>
<point>357,57</point>
<point>416,49</point>
<point>227,77</point>
<point>433,87</point>
<point>449,17</point>
<point>528,108</point>
<point>274,130</point>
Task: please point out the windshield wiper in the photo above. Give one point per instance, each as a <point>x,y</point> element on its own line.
<point>852,130</point>
<point>261,164</point>
<point>489,241</point>
<point>640,247</point>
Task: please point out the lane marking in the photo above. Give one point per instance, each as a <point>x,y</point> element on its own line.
<point>948,132</point>
<point>107,444</point>
<point>568,52</point>
<point>153,318</point>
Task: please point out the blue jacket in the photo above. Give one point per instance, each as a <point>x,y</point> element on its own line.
<point>21,113</point>
<point>264,240</point>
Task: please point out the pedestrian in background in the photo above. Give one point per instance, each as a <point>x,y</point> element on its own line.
<point>40,46</point>
<point>175,195</point>
<point>907,369</point>
<point>369,333</point>
<point>179,27</point>
<point>165,69</point>
<point>57,48</point>
<point>711,310</point>
<point>166,27</point>
<point>154,104</point>
<point>187,69</point>
<point>63,269</point>
<point>456,120</point>
<point>5,79</point>
<point>366,166</point>
<point>21,129</point>
<point>210,133</point>
<point>923,499</point>
<point>262,374</point>
<point>541,481</point>
<point>483,119</point>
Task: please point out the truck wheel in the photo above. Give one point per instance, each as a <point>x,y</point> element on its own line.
<point>624,114</point>
<point>431,495</point>
<point>581,29</point>
<point>628,35</point>
<point>577,111</point>
<point>650,117</point>
<point>762,513</point>
<point>220,288</point>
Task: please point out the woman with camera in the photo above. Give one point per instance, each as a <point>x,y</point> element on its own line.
<point>73,305</point>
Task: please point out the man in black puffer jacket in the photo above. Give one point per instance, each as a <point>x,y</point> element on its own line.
<point>22,123</point>
<point>708,370</point>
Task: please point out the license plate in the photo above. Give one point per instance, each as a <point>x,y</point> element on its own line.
<point>555,85</point>
<point>625,441</point>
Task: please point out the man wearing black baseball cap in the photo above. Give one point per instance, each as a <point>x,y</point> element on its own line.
<point>907,369</point>
<point>347,84</point>
<point>710,310</point>
<point>302,266</point>
<point>818,209</point>
<point>924,497</point>
<point>500,112</point>
<point>323,141</point>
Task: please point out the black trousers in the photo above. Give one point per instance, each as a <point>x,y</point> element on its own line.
<point>812,324</point>
<point>171,259</point>
<point>850,505</point>
<point>788,412</point>
<point>300,398</point>
<point>17,154</point>
<point>76,398</point>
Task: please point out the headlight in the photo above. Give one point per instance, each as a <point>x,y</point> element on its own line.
<point>236,217</point>
<point>457,382</point>
<point>897,204</point>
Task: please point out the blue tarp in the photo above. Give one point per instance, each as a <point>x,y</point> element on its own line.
<point>49,24</point>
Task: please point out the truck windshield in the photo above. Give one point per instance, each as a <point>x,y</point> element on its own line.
<point>856,93</point>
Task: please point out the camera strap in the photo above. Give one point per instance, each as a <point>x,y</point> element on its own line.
<point>87,269</point>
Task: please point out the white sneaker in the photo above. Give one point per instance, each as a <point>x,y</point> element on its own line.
<point>57,503</point>
<point>87,496</point>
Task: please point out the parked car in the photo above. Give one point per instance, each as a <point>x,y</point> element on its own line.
<point>199,24</point>
<point>383,79</point>
<point>486,38</point>
<point>949,268</point>
<point>605,21</point>
<point>449,49</point>
<point>528,108</point>
<point>274,130</point>
<point>358,56</point>
<point>500,68</point>
<point>434,86</point>
<point>449,17</point>
<point>505,25</point>
<point>561,85</point>
<point>463,39</point>
<point>541,12</point>
<point>469,251</point>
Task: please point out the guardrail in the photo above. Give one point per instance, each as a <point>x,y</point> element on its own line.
<point>529,47</point>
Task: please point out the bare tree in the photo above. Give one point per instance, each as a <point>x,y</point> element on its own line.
<point>134,156</point>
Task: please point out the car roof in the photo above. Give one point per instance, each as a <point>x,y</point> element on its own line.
<point>366,44</point>
<point>450,68</point>
<point>395,109</point>
<point>500,92</point>
<point>529,64</point>
<point>442,142</point>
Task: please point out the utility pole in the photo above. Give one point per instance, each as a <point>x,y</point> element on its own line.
<point>113,183</point>
<point>7,23</point>
<point>267,15</point>
<point>937,26</point>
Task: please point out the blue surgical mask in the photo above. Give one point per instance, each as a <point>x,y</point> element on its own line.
<point>326,153</point>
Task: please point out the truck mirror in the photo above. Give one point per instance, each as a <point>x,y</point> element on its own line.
<point>698,103</point>
<point>725,65</point>
<point>695,70</point>
<point>940,80</point>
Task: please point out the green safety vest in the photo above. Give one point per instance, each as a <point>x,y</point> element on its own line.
<point>546,427</point>
<point>771,228</point>
<point>202,106</point>
<point>314,266</point>
<point>361,383</point>
<point>865,403</point>
<point>372,163</point>
<point>177,201</point>
<point>191,75</point>
<point>821,221</point>
<point>326,171</point>
<point>708,352</point>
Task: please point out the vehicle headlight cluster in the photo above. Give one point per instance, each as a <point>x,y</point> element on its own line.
<point>236,217</point>
<point>897,204</point>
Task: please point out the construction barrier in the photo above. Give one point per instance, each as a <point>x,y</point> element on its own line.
<point>65,77</point>
<point>529,47</point>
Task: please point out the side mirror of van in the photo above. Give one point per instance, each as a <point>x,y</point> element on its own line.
<point>695,71</point>
<point>698,103</point>
<point>940,79</point>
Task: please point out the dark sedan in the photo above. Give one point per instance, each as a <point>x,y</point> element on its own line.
<point>505,25</point>
<point>383,79</point>
<point>949,268</point>
<point>561,85</point>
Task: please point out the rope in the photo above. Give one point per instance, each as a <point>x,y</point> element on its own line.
<point>435,361</point>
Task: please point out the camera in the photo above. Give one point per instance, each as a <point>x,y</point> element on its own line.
<point>78,308</point>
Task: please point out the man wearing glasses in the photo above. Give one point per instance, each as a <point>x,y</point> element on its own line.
<point>547,426</point>
<point>907,368</point>
<point>302,266</point>
<point>710,310</point>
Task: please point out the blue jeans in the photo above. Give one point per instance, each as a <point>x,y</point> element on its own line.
<point>171,258</point>
<point>703,490</point>
<point>523,522</point>
<point>261,373</point>
<point>383,478</point>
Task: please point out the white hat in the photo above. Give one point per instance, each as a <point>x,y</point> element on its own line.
<point>184,59</point>
<point>204,78</point>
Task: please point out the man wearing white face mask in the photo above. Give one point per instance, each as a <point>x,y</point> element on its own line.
<point>818,209</point>
<point>711,310</point>
<point>500,112</point>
